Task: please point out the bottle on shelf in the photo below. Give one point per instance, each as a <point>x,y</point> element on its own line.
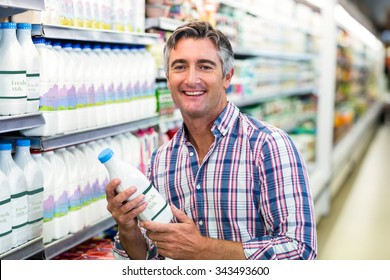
<point>13,80</point>
<point>23,33</point>
<point>5,214</point>
<point>35,183</point>
<point>19,201</point>
<point>48,195</point>
<point>157,209</point>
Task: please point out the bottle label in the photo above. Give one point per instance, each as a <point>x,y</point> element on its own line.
<point>35,205</point>
<point>19,210</point>
<point>87,195</point>
<point>5,217</point>
<point>13,85</point>
<point>48,100</point>
<point>95,190</point>
<point>48,208</point>
<point>99,95</point>
<point>91,95</point>
<point>75,199</point>
<point>62,98</point>
<point>61,205</point>
<point>72,99</point>
<point>33,87</point>
<point>156,204</point>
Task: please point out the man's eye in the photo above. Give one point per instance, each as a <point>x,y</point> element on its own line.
<point>178,67</point>
<point>205,67</point>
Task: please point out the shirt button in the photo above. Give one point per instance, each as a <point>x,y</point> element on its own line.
<point>198,187</point>
<point>201,222</point>
<point>191,154</point>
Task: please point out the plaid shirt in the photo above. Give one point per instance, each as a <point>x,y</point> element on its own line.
<point>252,187</point>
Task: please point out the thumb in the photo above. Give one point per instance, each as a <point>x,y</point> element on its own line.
<point>180,215</point>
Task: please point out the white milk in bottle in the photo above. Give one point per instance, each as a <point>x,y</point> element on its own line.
<point>32,65</point>
<point>5,214</point>
<point>158,209</point>
<point>61,218</point>
<point>13,80</point>
<point>76,221</point>
<point>19,201</point>
<point>48,195</point>
<point>34,178</point>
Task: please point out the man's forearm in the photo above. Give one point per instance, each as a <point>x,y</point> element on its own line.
<point>133,242</point>
<point>223,250</point>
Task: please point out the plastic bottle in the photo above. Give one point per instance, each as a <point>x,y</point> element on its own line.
<point>112,115</point>
<point>82,182</point>
<point>48,90</point>
<point>99,64</point>
<point>158,209</point>
<point>5,214</point>
<point>34,178</point>
<point>19,201</point>
<point>48,195</point>
<point>61,218</point>
<point>86,187</point>
<point>63,114</point>
<point>70,84</point>
<point>81,91</point>
<point>13,80</point>
<point>89,84</point>
<point>32,65</point>
<point>76,221</point>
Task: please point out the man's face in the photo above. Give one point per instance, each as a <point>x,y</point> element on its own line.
<point>195,79</point>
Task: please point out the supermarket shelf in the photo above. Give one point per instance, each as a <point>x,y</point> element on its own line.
<point>64,244</point>
<point>284,55</point>
<point>18,122</point>
<point>92,35</point>
<point>241,101</point>
<point>166,24</point>
<point>9,8</point>
<point>63,140</point>
<point>24,251</point>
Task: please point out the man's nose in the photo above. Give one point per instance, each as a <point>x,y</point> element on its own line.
<point>192,76</point>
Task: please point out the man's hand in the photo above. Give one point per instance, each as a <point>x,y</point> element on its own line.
<point>180,240</point>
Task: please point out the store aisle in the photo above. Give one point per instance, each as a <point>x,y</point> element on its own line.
<point>358,225</point>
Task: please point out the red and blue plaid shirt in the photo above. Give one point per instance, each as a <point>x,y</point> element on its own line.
<point>252,187</point>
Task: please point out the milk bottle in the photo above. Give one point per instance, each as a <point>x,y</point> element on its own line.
<point>32,66</point>
<point>102,181</point>
<point>99,85</point>
<point>13,80</point>
<point>76,199</point>
<point>81,91</point>
<point>48,90</point>
<point>62,109</point>
<point>18,189</point>
<point>76,221</point>
<point>117,60</point>
<point>5,214</point>
<point>89,84</point>
<point>158,209</point>
<point>61,218</point>
<point>48,195</point>
<point>34,178</point>
<point>92,213</point>
<point>70,66</point>
<point>86,187</point>
<point>112,116</point>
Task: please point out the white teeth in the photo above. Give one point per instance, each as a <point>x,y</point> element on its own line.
<point>193,93</point>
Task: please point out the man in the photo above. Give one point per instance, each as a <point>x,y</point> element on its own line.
<point>238,187</point>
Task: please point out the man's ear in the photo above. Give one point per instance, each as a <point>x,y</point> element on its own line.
<point>228,78</point>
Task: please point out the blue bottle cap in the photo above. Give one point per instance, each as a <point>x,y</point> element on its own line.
<point>105,155</point>
<point>8,25</point>
<point>39,40</point>
<point>5,146</point>
<point>24,26</point>
<point>23,142</point>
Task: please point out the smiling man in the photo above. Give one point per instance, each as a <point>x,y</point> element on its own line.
<point>238,187</point>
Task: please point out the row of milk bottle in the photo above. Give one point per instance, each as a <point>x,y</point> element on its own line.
<point>119,15</point>
<point>19,70</point>
<point>87,85</point>
<point>54,193</point>
<point>21,196</point>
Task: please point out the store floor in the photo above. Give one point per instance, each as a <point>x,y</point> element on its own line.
<point>358,225</point>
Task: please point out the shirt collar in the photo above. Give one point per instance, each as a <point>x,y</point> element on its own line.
<point>222,124</point>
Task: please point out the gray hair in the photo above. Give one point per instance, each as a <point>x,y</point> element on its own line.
<point>201,30</point>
